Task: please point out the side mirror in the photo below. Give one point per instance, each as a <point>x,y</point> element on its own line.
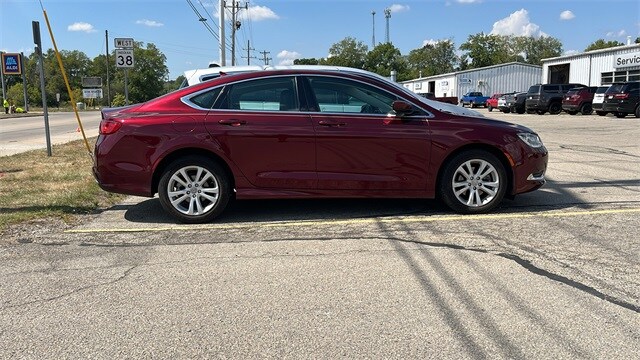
<point>402,108</point>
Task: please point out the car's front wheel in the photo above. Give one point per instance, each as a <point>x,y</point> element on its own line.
<point>194,189</point>
<point>473,182</point>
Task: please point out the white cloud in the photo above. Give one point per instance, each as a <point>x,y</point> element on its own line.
<point>567,15</point>
<point>149,23</point>
<point>286,57</point>
<point>257,13</point>
<point>571,52</point>
<point>81,26</point>
<point>429,42</point>
<point>396,8</point>
<point>620,33</point>
<point>517,24</point>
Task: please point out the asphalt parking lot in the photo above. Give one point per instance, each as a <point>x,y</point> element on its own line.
<point>550,274</point>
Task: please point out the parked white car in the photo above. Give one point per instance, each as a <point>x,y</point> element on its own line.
<point>598,99</point>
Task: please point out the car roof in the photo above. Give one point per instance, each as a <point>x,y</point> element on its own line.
<point>197,76</point>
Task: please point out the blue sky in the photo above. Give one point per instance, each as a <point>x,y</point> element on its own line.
<point>290,29</point>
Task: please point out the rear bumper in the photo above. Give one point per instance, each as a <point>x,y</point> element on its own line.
<point>623,107</point>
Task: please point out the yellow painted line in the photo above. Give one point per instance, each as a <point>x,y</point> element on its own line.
<point>412,219</point>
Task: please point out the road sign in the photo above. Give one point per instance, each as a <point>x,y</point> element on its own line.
<point>11,64</point>
<point>91,81</point>
<point>124,58</point>
<point>91,93</point>
<point>123,43</point>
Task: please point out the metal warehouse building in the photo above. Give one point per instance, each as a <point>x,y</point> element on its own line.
<point>503,78</point>
<point>594,68</point>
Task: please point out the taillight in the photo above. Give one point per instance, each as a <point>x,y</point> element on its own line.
<point>109,126</point>
<point>621,96</point>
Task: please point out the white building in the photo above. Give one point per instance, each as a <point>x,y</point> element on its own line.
<point>503,78</point>
<point>594,68</point>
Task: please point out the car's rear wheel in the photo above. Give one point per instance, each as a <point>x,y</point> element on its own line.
<point>473,182</point>
<point>586,109</point>
<point>540,112</point>
<point>194,189</point>
<point>572,112</point>
<point>620,114</point>
<point>506,110</point>
<point>638,111</point>
<point>555,108</point>
<point>490,108</point>
<point>601,113</point>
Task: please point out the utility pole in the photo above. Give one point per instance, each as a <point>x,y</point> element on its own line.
<point>265,59</point>
<point>235,25</point>
<point>106,34</point>
<point>373,39</point>
<point>249,57</point>
<point>223,43</point>
<point>387,15</point>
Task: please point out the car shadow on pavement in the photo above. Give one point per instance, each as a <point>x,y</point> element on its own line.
<point>552,197</point>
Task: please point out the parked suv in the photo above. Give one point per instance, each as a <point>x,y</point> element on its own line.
<point>547,97</point>
<point>598,99</point>
<point>622,99</point>
<point>579,99</point>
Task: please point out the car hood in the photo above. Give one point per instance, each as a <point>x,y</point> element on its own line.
<point>451,109</point>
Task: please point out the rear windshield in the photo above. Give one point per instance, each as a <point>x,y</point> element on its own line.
<point>616,89</point>
<point>573,92</point>
<point>534,89</point>
<point>602,89</point>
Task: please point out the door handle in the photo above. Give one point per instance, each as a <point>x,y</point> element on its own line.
<point>232,122</point>
<point>331,123</point>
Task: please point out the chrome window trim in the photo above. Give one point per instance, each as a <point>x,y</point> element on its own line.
<point>186,99</point>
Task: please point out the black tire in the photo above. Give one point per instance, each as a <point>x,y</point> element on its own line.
<point>540,112</point>
<point>572,112</point>
<point>586,109</point>
<point>521,111</point>
<point>474,190</point>
<point>212,191</point>
<point>490,108</point>
<point>620,115</point>
<point>555,108</point>
<point>506,111</point>
<point>637,113</point>
<point>601,113</point>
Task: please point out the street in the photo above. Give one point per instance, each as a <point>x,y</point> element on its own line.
<point>22,133</point>
<point>550,274</point>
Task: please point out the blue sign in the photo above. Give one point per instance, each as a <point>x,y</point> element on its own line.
<point>11,64</point>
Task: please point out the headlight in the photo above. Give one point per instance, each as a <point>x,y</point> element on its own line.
<point>531,139</point>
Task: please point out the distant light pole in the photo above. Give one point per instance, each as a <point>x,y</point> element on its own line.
<point>373,38</point>
<point>387,15</point>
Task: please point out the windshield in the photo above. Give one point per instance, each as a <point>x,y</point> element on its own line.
<point>602,90</point>
<point>534,89</point>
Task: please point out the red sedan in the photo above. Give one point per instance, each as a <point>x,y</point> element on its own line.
<point>305,133</point>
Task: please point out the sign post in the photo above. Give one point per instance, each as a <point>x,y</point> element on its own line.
<point>124,60</point>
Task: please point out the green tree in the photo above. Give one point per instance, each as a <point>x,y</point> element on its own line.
<point>347,52</point>
<point>146,79</point>
<point>433,59</point>
<point>310,61</point>
<point>532,50</point>
<point>486,50</point>
<point>602,44</point>
<point>384,58</point>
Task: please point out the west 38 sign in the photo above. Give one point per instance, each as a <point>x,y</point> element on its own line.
<point>11,64</point>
